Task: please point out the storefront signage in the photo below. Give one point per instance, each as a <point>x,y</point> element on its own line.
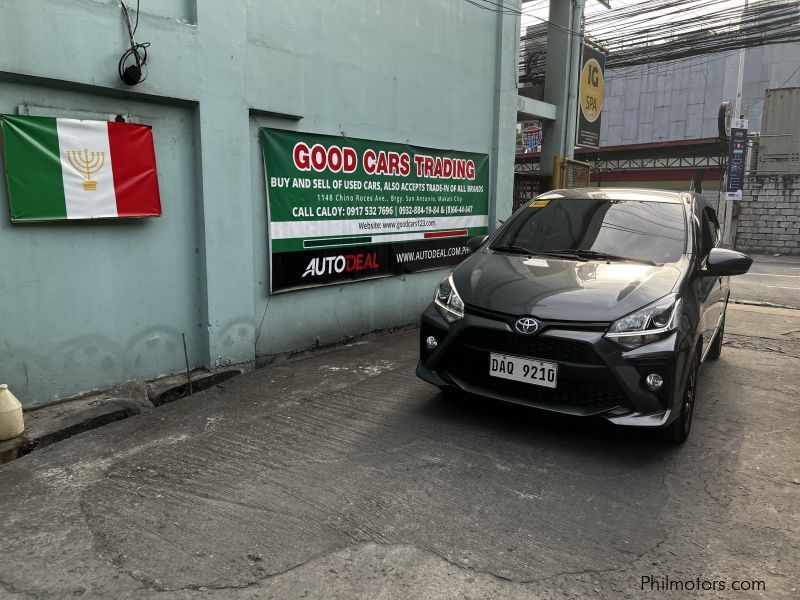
<point>737,151</point>
<point>590,99</point>
<point>343,209</point>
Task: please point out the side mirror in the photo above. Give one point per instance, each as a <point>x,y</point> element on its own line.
<point>723,262</point>
<point>476,242</point>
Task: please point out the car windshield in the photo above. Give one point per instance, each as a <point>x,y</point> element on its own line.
<point>587,228</point>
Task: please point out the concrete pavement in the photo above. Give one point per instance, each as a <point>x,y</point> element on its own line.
<point>772,280</point>
<point>340,475</point>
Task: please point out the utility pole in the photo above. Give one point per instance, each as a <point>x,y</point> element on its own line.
<point>737,112</point>
<point>726,206</point>
<point>571,122</point>
<point>564,43</point>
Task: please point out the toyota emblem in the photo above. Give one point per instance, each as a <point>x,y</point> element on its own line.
<point>526,325</point>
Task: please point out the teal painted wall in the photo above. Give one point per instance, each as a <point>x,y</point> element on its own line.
<point>84,306</point>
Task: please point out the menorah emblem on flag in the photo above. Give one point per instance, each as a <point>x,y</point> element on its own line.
<point>87,163</point>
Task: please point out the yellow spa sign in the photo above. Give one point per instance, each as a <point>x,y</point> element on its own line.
<point>590,99</point>
<point>591,90</point>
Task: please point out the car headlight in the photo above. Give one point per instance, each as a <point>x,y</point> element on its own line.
<point>447,300</point>
<point>648,324</point>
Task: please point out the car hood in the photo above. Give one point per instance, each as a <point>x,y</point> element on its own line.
<point>561,289</point>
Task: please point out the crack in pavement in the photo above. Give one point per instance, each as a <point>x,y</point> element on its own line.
<point>402,545</point>
<point>788,347</point>
<point>617,569</point>
<point>761,303</point>
<point>707,491</point>
<point>328,554</point>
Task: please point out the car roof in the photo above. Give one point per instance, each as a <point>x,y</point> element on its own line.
<point>638,194</point>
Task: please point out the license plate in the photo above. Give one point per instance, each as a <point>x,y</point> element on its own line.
<point>516,368</point>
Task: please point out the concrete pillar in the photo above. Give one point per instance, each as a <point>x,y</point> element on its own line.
<point>561,69</point>
<point>225,183</point>
<point>574,75</point>
<point>504,116</point>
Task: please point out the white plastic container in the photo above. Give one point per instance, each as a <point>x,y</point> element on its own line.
<point>11,421</point>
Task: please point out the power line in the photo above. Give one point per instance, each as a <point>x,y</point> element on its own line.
<point>508,9</point>
<point>653,31</point>
<point>785,81</point>
<point>760,100</point>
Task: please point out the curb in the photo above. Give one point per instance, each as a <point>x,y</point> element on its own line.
<point>50,424</point>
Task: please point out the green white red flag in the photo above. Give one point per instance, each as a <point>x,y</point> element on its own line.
<point>73,169</point>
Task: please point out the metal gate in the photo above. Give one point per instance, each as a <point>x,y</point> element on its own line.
<point>526,187</point>
<point>569,173</point>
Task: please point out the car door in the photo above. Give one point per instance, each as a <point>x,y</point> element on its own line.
<point>723,283</point>
<point>709,287</point>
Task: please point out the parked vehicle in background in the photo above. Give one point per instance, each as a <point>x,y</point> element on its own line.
<point>593,302</point>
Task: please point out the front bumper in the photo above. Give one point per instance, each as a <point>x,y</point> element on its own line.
<point>595,376</point>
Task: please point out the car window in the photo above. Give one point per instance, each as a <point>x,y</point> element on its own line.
<point>646,230</point>
<point>712,217</point>
<point>709,230</point>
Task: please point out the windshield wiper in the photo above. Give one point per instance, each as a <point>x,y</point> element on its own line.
<point>593,254</point>
<point>513,249</point>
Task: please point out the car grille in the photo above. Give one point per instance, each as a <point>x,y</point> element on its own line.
<point>471,366</point>
<point>530,345</point>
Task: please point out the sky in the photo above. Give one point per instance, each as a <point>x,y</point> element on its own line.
<point>538,9</point>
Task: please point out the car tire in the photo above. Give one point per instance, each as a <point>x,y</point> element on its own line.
<point>716,345</point>
<point>680,428</point>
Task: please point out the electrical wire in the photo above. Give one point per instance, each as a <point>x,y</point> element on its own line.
<point>510,9</point>
<point>760,100</point>
<point>136,25</point>
<point>137,52</point>
<point>646,32</point>
<point>785,81</point>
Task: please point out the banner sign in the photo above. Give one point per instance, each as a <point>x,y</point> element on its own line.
<point>343,209</point>
<point>590,98</point>
<point>736,154</point>
<point>532,137</point>
<point>71,169</point>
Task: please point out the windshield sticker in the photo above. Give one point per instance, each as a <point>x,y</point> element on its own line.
<point>535,262</point>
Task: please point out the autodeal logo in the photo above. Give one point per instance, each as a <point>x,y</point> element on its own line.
<point>344,263</point>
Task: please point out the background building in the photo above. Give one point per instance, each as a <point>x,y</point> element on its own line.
<point>679,99</point>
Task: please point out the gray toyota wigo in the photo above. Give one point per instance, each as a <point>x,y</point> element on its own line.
<point>592,302</point>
